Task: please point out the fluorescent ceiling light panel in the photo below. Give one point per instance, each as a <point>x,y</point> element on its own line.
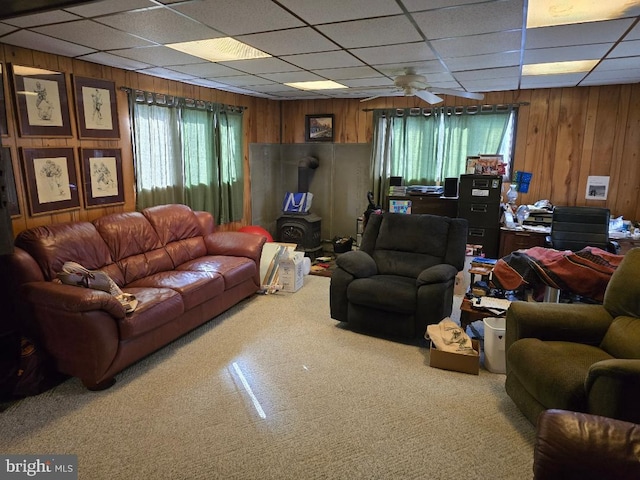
<point>546,13</point>
<point>557,68</point>
<point>317,85</point>
<point>219,50</point>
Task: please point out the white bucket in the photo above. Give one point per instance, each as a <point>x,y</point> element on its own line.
<point>494,340</point>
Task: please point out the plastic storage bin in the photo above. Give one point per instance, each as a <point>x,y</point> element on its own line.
<point>494,339</point>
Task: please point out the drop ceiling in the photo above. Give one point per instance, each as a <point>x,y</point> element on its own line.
<point>467,45</point>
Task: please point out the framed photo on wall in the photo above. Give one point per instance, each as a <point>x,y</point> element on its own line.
<point>96,108</point>
<point>50,176</point>
<point>102,177</point>
<point>6,167</point>
<point>319,128</point>
<point>41,102</point>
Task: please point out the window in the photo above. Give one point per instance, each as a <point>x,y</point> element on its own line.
<point>187,154</point>
<point>425,146</point>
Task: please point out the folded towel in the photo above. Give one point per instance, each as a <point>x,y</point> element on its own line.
<point>449,337</point>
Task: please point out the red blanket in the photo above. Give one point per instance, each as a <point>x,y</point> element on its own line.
<point>584,273</point>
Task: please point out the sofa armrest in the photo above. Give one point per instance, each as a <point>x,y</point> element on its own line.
<point>357,263</point>
<point>59,297</point>
<point>580,445</point>
<point>613,389</point>
<point>581,323</point>
<point>235,244</point>
<point>441,273</point>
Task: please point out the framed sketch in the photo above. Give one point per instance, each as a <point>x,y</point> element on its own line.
<point>319,128</point>
<point>102,177</point>
<point>597,188</point>
<point>96,108</point>
<point>50,176</point>
<point>4,129</point>
<point>41,102</point>
<point>6,167</point>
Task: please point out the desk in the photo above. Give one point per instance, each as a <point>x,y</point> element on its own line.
<point>512,240</point>
<point>431,204</point>
<point>468,314</point>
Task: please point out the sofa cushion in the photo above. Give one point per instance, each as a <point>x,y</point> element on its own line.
<point>156,306</point>
<point>234,270</point>
<point>565,364</point>
<point>194,287</point>
<point>53,245</point>
<point>395,293</point>
<point>622,340</point>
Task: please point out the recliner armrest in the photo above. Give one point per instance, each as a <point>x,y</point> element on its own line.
<point>357,263</point>
<point>441,273</point>
<point>580,323</point>
<point>613,389</point>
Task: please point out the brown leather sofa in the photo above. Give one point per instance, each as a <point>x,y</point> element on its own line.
<point>583,446</point>
<point>182,272</point>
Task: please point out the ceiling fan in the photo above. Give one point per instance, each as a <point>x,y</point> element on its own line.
<point>413,84</point>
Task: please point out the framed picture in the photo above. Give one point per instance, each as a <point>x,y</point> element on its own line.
<point>102,177</point>
<point>319,128</point>
<point>96,108</point>
<point>4,130</point>
<point>6,167</point>
<point>50,175</point>
<point>41,102</point>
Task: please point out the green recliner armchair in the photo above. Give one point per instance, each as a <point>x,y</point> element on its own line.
<point>579,357</point>
<point>403,276</point>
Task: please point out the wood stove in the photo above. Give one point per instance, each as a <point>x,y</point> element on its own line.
<point>303,230</point>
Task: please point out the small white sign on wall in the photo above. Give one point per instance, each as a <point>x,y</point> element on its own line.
<point>597,188</point>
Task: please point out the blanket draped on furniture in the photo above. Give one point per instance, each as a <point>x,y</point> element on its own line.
<point>586,272</point>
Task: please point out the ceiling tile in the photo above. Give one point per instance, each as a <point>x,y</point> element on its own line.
<point>92,34</point>
<point>634,34</point>
<point>288,77</point>
<point>46,18</point>
<point>315,12</point>
<point>245,80</point>
<point>261,65</point>
<point>368,82</point>
<point>245,16</point>
<point>478,44</point>
<point>43,43</point>
<point>547,81</point>
<point>566,54</point>
<point>160,25</point>
<point>5,28</point>
<point>106,7</point>
<point>372,32</point>
<point>618,64</point>
<point>166,73</point>
<point>487,73</point>
<point>348,72</point>
<point>631,75</point>
<point>410,52</point>
<point>564,35</point>
<point>490,60</point>
<point>207,70</point>
<point>418,5</point>
<point>421,68</point>
<point>289,42</point>
<point>491,84</point>
<point>114,61</point>
<point>159,56</point>
<point>470,19</point>
<point>626,49</point>
<point>312,61</point>
<point>274,87</point>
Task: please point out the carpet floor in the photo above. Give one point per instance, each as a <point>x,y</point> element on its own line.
<point>275,389</point>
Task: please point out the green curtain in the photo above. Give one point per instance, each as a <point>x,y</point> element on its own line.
<point>200,172</point>
<point>230,159</point>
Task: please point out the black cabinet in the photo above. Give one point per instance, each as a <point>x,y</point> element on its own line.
<point>479,203</point>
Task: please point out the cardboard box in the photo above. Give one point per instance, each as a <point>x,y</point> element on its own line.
<point>456,361</point>
<point>291,272</point>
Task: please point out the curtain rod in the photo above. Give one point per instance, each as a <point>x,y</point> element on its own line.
<point>499,107</point>
<point>162,99</point>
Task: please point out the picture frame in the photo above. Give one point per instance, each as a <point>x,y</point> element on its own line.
<point>4,128</point>
<point>41,102</point>
<point>51,179</point>
<point>6,166</point>
<point>102,177</point>
<point>319,128</point>
<point>96,108</point>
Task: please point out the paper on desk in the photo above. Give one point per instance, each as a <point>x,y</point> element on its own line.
<point>493,303</point>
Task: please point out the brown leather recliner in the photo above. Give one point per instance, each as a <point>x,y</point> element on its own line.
<point>583,446</point>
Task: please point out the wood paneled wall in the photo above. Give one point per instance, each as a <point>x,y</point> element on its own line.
<point>261,125</point>
<point>564,135</point>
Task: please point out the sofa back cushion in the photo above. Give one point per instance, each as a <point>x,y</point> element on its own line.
<point>179,231</point>
<point>134,245</point>
<point>622,340</point>
<point>407,244</point>
<point>53,245</point>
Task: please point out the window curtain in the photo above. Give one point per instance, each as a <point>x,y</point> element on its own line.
<point>426,147</point>
<point>189,155</point>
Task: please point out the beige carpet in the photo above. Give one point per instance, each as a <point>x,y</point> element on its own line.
<point>336,405</point>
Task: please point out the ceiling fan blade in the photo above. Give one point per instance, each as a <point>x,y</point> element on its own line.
<point>370,98</point>
<point>428,97</point>
<point>460,93</point>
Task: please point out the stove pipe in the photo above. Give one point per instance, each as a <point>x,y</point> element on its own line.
<point>306,166</point>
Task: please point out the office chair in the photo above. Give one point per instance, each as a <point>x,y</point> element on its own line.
<point>574,228</point>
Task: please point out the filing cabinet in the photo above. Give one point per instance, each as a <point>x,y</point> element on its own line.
<point>479,202</point>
